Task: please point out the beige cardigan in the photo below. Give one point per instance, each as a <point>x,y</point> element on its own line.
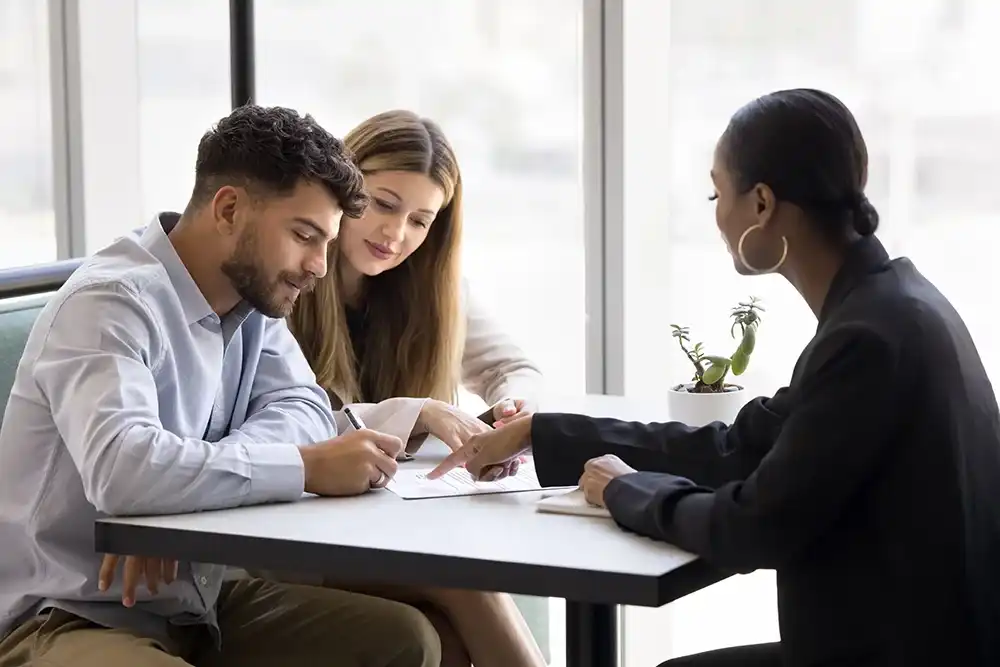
<point>493,367</point>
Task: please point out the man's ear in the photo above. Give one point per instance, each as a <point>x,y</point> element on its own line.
<point>224,207</point>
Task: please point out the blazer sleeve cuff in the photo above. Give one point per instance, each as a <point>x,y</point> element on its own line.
<point>648,503</point>
<point>555,463</point>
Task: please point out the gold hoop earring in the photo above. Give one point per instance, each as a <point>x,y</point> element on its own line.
<point>743,258</point>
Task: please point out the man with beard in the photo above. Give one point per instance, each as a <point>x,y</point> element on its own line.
<point>162,379</point>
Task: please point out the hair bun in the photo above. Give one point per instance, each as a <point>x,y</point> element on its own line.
<point>864,216</point>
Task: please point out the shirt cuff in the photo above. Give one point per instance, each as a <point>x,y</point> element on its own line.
<point>276,473</point>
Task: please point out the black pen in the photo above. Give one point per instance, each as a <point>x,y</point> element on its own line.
<point>360,425</point>
<point>354,419</point>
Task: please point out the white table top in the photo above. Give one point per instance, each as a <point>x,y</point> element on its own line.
<point>494,542</point>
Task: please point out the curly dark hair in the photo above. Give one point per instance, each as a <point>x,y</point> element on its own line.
<point>269,150</point>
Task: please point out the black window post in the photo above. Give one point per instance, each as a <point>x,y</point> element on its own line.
<point>241,52</point>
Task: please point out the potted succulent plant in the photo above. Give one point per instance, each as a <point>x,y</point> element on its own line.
<point>708,396</point>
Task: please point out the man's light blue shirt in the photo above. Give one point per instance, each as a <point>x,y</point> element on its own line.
<point>134,397</point>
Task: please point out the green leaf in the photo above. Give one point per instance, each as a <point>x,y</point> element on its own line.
<point>718,361</point>
<point>740,361</point>
<point>749,341</point>
<point>714,373</point>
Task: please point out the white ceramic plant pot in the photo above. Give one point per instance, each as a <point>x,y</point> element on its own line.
<point>697,409</point>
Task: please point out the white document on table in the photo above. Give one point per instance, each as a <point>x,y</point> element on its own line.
<point>571,502</point>
<point>412,484</point>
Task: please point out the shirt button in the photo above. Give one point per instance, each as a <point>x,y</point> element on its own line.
<point>204,581</point>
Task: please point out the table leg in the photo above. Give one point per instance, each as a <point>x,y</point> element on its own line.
<point>591,634</point>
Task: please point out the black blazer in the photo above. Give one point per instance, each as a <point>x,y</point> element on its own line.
<point>871,483</point>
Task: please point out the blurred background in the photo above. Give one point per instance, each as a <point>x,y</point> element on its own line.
<point>585,131</point>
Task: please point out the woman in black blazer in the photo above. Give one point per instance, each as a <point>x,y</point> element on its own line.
<point>871,483</point>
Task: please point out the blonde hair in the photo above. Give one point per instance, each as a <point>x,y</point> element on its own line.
<point>413,346</point>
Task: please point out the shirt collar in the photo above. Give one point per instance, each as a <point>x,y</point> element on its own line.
<point>156,241</point>
<point>866,256</point>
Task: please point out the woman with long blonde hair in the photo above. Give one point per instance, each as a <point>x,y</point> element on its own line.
<point>392,331</point>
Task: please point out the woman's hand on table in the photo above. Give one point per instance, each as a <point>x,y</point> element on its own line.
<point>452,425</point>
<point>492,455</point>
<point>598,473</point>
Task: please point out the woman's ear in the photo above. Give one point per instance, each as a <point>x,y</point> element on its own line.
<point>765,203</point>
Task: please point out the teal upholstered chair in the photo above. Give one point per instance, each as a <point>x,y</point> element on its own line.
<point>16,319</point>
<point>18,313</point>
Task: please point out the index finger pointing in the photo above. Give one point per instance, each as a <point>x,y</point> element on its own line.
<point>459,457</point>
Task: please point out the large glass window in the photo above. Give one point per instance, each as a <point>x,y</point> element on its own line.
<point>183,52</point>
<point>503,80</point>
<point>27,215</point>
